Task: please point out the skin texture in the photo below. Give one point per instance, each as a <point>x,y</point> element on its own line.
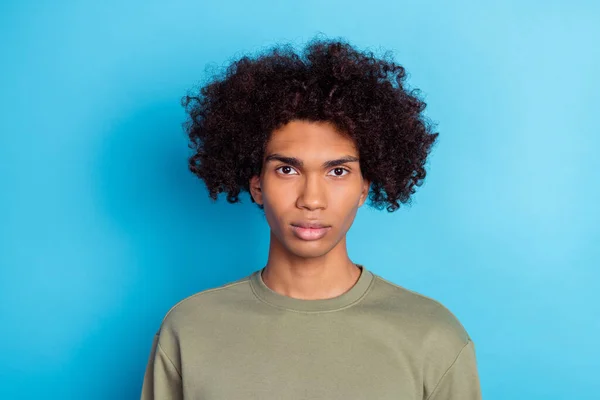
<point>330,195</point>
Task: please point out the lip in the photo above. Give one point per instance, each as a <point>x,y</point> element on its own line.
<point>309,224</point>
<point>310,230</point>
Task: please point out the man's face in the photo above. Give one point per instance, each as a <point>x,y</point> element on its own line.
<point>310,176</point>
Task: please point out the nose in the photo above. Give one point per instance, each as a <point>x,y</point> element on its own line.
<point>312,194</point>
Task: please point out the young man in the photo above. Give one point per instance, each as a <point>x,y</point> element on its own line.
<point>311,137</point>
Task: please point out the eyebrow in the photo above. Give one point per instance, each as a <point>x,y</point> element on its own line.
<point>295,162</point>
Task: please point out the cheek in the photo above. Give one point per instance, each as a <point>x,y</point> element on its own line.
<point>345,196</point>
<point>278,194</point>
<point>276,204</point>
<point>346,206</point>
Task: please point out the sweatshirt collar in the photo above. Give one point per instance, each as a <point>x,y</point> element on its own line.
<point>350,297</point>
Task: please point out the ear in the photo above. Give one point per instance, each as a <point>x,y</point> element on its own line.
<point>365,192</point>
<point>255,190</point>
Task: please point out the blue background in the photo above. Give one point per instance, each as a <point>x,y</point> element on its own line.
<point>103,228</point>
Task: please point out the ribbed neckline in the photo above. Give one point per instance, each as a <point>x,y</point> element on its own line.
<point>356,292</point>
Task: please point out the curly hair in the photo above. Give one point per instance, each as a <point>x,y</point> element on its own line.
<point>364,97</point>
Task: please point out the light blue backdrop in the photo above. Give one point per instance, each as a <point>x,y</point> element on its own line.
<point>103,229</point>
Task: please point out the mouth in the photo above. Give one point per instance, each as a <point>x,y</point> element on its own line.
<point>310,231</point>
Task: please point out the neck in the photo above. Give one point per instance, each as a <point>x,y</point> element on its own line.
<point>323,277</point>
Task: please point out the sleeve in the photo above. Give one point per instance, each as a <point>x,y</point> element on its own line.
<point>461,380</point>
<point>162,380</point>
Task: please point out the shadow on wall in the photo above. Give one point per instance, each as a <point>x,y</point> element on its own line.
<point>173,240</point>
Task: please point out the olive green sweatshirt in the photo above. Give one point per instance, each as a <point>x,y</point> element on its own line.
<point>245,341</point>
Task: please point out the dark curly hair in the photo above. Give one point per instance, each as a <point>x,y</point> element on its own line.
<point>364,97</point>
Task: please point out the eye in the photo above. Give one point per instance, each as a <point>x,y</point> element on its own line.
<point>339,172</point>
<point>286,169</point>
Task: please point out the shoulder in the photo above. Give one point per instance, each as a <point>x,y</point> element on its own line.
<point>434,332</point>
<point>433,325</point>
<point>201,307</point>
<point>195,314</point>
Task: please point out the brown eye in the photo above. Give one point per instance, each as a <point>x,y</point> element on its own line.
<point>339,172</point>
<point>285,170</point>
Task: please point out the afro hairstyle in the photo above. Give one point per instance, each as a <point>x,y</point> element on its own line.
<point>364,97</point>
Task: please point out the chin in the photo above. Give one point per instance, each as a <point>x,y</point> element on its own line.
<point>308,249</point>
<point>309,253</point>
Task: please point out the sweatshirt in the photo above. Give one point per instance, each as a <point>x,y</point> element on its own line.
<point>377,340</point>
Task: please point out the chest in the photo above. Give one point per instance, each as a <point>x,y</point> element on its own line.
<point>302,358</point>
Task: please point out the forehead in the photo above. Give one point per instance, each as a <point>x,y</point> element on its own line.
<point>316,139</point>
